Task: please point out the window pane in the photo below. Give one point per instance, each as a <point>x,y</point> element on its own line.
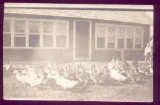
<point>137,45</point>
<point>47,26</point>
<point>48,41</point>
<point>129,43</point>
<point>120,43</point>
<point>100,42</point>
<point>110,45</point>
<point>138,32</point>
<point>6,27</point>
<point>61,41</point>
<point>34,41</point>
<point>121,32</point>
<point>111,30</point>
<point>34,27</point>
<point>111,39</point>
<point>101,30</point>
<point>61,28</point>
<point>19,42</point>
<point>130,32</point>
<point>20,26</point>
<point>138,41</point>
<point>7,40</point>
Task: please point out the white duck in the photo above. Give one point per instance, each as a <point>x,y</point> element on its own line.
<point>116,75</point>
<point>7,66</point>
<point>65,83</point>
<point>21,78</point>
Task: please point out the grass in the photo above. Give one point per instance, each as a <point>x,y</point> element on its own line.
<point>111,91</point>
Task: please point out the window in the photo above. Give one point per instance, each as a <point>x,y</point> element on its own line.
<point>111,36</point>
<point>39,33</point>
<point>34,34</point>
<point>130,36</point>
<point>121,37</point>
<point>61,34</point>
<point>101,36</point>
<point>48,34</point>
<point>138,38</point>
<point>7,33</point>
<point>6,27</point>
<point>19,36</point>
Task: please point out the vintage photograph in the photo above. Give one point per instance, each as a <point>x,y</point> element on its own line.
<point>78,52</point>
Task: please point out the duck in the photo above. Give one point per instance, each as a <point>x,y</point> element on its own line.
<point>69,72</point>
<point>94,74</point>
<point>82,75</point>
<point>115,74</point>
<point>104,74</point>
<point>151,68</point>
<point>65,83</point>
<point>33,78</point>
<point>21,78</point>
<point>7,66</point>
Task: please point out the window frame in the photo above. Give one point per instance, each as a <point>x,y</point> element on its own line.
<point>27,32</point>
<point>10,31</point>
<point>14,32</point>
<point>67,35</point>
<point>116,37</point>
<point>49,34</point>
<point>142,36</point>
<point>100,37</point>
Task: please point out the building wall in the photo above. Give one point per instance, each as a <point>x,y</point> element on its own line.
<point>67,54</point>
<point>107,55</point>
<point>39,54</point>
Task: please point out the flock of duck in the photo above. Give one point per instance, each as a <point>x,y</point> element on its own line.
<point>76,75</point>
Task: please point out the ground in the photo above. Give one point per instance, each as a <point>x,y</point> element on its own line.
<point>110,91</point>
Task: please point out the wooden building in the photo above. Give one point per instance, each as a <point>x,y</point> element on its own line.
<point>69,35</point>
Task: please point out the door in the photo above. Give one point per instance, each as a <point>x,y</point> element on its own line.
<point>82,40</point>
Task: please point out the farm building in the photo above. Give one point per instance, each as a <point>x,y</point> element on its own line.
<point>67,35</point>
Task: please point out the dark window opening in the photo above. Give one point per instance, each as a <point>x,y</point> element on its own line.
<point>129,43</point>
<point>7,40</point>
<point>34,41</point>
<point>110,44</point>
<point>120,43</point>
<point>19,42</point>
<point>137,45</point>
<point>100,42</point>
<point>48,41</point>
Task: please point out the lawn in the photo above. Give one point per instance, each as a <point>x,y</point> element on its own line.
<point>110,91</point>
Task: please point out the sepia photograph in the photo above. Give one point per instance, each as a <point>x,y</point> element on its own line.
<point>78,52</point>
